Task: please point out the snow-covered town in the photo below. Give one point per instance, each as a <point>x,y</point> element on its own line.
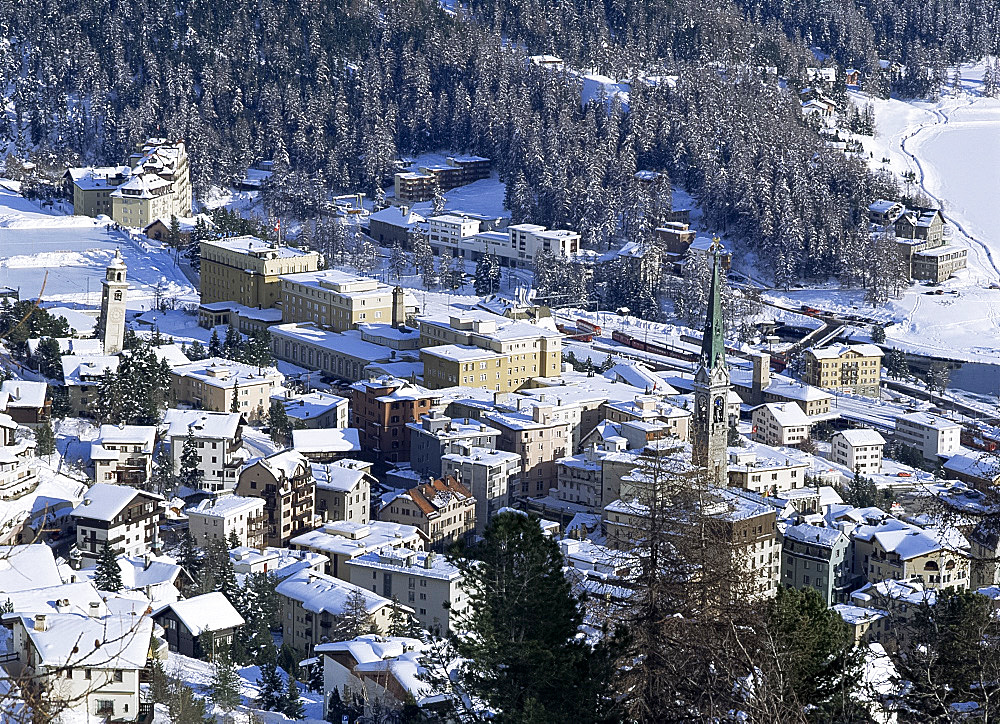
<point>385,412</point>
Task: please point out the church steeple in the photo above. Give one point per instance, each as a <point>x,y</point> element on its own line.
<point>713,346</point>
<point>710,426</point>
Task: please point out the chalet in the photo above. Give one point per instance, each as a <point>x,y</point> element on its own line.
<point>187,622</point>
<point>443,509</point>
<point>26,402</point>
<point>125,517</point>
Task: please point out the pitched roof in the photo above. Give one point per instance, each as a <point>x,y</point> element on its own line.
<point>104,501</point>
<point>431,497</point>
<point>207,612</point>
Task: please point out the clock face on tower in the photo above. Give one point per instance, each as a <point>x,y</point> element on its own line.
<point>116,315</point>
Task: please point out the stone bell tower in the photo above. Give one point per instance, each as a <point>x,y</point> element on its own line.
<point>710,428</point>
<point>111,325</point>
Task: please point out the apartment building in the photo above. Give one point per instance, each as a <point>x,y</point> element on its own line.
<point>314,410</point>
<point>218,438</point>
<point>284,480</point>
<point>18,471</point>
<point>343,490</point>
<point>221,385</point>
<point>436,434</point>
<point>342,355</point>
<point>758,386</point>
<point>341,540</point>
<point>939,558</point>
<point>480,349</point>
<point>446,232</point>
<point>491,475</point>
<point>220,517</point>
<point>919,234</point>
<point>819,558</point>
<point>858,450</point>
<point>931,434</point>
<point>423,581</point>
<point>248,270</point>
<point>781,424</point>
<point>381,409</point>
<point>91,188</point>
<point>539,438</point>
<point>311,603</point>
<point>421,185</point>
<point>82,375</point>
<point>855,368</point>
<point>765,471</point>
<point>652,409</point>
<point>340,301</point>
<point>125,517</point>
<point>443,509</point>
<point>123,454</point>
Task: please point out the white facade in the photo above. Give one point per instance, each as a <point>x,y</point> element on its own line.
<point>425,582</point>
<point>858,450</point>
<point>780,423</point>
<point>217,518</point>
<point>449,230</point>
<point>126,517</point>
<point>114,288</point>
<point>218,437</point>
<point>491,475</point>
<point>930,434</point>
<point>123,454</point>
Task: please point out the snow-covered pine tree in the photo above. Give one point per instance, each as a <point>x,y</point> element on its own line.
<point>291,704</point>
<point>270,687</point>
<point>190,474</point>
<point>488,274</point>
<point>108,576</point>
<point>397,261</point>
<point>214,344</point>
<point>45,439</point>
<point>225,683</point>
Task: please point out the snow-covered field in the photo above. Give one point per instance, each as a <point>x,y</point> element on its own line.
<point>68,255</point>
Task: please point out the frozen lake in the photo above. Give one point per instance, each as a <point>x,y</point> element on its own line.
<point>961,162</point>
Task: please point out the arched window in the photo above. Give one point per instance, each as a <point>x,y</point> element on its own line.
<point>118,295</point>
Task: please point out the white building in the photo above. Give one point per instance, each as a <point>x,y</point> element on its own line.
<point>424,582</point>
<point>780,423</point>
<point>930,434</point>
<point>18,472</point>
<point>343,490</point>
<point>492,476</point>
<point>123,454</point>
<point>447,231</point>
<point>92,661</point>
<point>213,383</point>
<point>315,409</point>
<point>342,540</point>
<point>125,516</point>
<point>279,562</point>
<point>218,436</point>
<point>218,518</point>
<point>859,450</point>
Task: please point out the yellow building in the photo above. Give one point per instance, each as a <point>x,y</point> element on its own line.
<point>340,301</point>
<point>211,384</point>
<point>92,187</point>
<point>486,350</point>
<point>156,184</point>
<point>246,270</point>
<point>855,368</point>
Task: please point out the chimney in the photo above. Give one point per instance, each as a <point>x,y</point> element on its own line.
<point>146,560</point>
<point>429,561</point>
<point>398,307</point>
<point>62,605</point>
<point>94,609</point>
<point>761,376</point>
<point>41,624</point>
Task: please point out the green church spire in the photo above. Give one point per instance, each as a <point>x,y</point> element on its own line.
<point>713,346</point>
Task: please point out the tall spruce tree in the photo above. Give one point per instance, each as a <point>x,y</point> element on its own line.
<point>190,474</point>
<point>108,575</point>
<point>225,683</point>
<point>523,656</point>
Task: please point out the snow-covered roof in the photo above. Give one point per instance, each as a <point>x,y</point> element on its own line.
<point>381,655</point>
<point>104,501</point>
<point>79,370</point>
<point>349,538</point>
<point>835,351</point>
<point>143,435</point>
<point>416,563</point>
<point>927,420</point>
<point>641,376</point>
<point>221,372</point>
<point>309,405</point>
<point>207,612</point>
<point>78,641</point>
<point>62,598</point>
<point>24,567</point>
<point>861,437</point>
<point>143,186</point>
<point>812,534</point>
<point>786,414</point>
<point>253,245</point>
<point>225,506</point>
<point>337,477</point>
<point>857,615</point>
<point>980,465</point>
<point>326,440</point>
<point>215,425</point>
<point>394,216</point>
<point>283,465</point>
<point>21,393</point>
<point>320,593</point>
<point>347,343</point>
